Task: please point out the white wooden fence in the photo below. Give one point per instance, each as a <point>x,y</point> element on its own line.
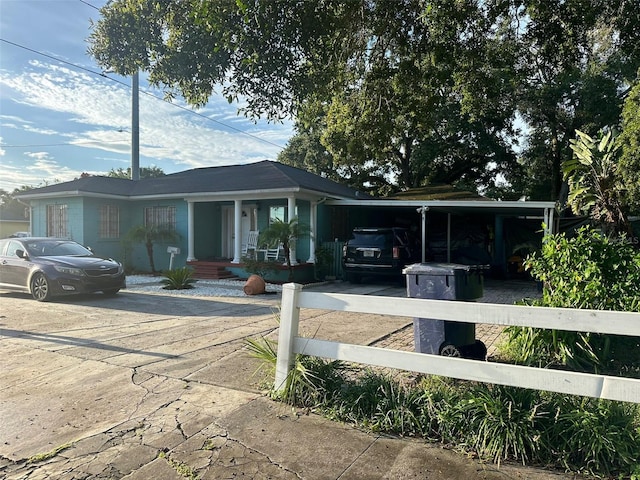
<point>591,385</point>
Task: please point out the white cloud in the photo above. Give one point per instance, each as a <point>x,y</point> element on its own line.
<point>91,112</point>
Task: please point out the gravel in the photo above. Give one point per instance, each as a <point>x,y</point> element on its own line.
<point>201,288</point>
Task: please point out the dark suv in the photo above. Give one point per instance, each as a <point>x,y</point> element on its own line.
<point>378,251</point>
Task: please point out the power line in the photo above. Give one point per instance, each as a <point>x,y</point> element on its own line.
<point>60,144</point>
<point>87,3</point>
<point>104,75</point>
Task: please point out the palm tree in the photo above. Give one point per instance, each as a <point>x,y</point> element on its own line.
<point>150,234</point>
<point>595,184</point>
<point>285,233</point>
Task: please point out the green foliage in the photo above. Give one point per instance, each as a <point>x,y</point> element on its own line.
<point>149,235</point>
<point>495,422</point>
<point>630,141</point>
<point>501,422</point>
<point>597,436</point>
<point>595,186</point>
<point>310,380</point>
<point>408,88</point>
<point>178,279</point>
<point>380,404</point>
<point>258,267</point>
<point>588,270</point>
<point>145,172</point>
<point>285,233</point>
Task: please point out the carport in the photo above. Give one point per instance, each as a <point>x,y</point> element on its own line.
<point>462,231</point>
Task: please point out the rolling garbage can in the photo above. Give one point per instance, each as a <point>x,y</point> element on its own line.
<point>446,281</point>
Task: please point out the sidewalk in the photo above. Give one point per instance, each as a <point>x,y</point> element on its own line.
<point>157,387</point>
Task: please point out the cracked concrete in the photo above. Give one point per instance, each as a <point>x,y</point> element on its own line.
<point>152,387</point>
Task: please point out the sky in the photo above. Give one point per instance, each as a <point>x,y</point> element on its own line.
<point>59,117</point>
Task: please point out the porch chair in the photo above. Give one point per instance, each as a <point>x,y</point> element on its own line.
<point>249,248</point>
<point>273,253</point>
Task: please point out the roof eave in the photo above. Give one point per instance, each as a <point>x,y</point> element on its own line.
<point>69,193</point>
<point>536,205</point>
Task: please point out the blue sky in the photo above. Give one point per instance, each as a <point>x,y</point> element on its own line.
<point>57,121</point>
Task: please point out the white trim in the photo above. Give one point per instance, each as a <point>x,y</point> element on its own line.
<point>444,203</point>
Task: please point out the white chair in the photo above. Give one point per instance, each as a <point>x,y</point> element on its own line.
<point>272,254</point>
<point>249,247</point>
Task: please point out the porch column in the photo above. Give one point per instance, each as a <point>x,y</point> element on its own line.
<point>313,218</point>
<point>237,231</point>
<point>190,236</point>
<point>291,212</point>
<point>500,257</point>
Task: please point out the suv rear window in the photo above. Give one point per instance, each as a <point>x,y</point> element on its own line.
<point>372,238</point>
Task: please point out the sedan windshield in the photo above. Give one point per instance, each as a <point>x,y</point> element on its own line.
<point>56,248</point>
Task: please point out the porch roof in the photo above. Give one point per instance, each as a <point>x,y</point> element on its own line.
<point>524,208</point>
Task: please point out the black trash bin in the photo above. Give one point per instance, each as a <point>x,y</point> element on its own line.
<point>446,281</point>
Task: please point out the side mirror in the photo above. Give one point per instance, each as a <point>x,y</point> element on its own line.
<point>21,254</point>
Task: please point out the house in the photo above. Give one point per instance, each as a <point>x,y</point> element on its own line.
<point>214,209</point>
<point>13,220</point>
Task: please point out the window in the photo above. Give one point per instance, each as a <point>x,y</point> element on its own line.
<point>279,213</point>
<point>57,221</point>
<point>109,221</point>
<point>160,217</point>
<point>12,248</point>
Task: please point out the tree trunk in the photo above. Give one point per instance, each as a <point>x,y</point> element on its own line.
<point>149,246</point>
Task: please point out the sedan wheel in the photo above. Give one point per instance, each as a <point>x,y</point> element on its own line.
<point>40,288</point>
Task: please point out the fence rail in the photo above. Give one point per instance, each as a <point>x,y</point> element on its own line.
<point>596,321</point>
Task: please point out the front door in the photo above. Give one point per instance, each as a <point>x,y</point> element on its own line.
<point>228,227</point>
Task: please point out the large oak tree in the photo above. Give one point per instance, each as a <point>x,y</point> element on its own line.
<point>395,93</point>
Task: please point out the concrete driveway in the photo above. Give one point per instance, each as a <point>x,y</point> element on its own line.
<point>155,386</point>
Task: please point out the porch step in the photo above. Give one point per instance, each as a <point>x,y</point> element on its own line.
<point>210,271</point>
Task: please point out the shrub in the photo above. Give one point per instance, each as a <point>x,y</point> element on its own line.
<point>588,270</point>
<point>178,279</point>
<point>259,267</point>
<point>595,436</point>
<point>501,422</point>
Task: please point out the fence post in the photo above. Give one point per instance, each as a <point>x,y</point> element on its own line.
<point>289,320</point>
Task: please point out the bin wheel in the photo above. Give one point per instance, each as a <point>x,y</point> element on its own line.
<point>450,350</point>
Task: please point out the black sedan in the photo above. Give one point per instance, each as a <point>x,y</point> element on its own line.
<point>48,267</point>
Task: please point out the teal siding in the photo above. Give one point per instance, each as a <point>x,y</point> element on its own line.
<point>208,230</point>
<point>108,247</point>
<point>83,215</point>
<point>136,254</point>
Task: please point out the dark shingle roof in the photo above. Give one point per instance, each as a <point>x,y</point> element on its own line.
<point>264,175</point>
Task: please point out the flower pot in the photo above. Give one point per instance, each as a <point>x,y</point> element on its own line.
<point>254,286</point>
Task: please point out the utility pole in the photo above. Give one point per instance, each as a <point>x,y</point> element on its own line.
<point>135,129</point>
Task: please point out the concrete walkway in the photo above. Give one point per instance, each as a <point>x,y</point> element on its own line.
<point>148,386</point>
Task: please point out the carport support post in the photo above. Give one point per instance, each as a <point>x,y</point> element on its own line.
<point>289,320</point>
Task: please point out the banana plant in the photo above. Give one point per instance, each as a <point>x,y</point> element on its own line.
<point>595,185</point>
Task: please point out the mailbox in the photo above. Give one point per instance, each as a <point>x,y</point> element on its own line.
<point>173,250</point>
